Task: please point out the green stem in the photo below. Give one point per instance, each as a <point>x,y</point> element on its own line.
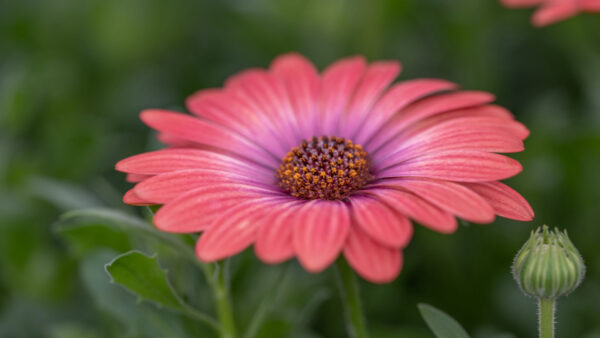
<point>220,287</point>
<point>546,316</point>
<point>355,319</point>
<point>262,311</point>
<point>201,317</point>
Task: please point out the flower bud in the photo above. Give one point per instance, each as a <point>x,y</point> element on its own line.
<point>548,265</point>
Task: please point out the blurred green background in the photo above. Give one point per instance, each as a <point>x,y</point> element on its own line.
<point>74,74</point>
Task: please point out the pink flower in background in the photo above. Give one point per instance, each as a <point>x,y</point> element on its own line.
<point>309,165</point>
<point>552,11</point>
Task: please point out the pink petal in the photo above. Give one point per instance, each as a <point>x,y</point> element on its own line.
<point>467,133</point>
<point>265,94</point>
<point>398,97</point>
<point>416,208</point>
<point>134,178</point>
<point>379,221</point>
<point>455,165</point>
<point>165,187</point>
<point>274,241</point>
<point>163,161</point>
<point>505,201</point>
<point>488,110</point>
<point>320,230</point>
<point>302,83</point>
<point>212,104</point>
<point>554,12</point>
<point>132,198</point>
<point>232,232</point>
<point>425,108</point>
<point>237,114</point>
<point>451,197</point>
<point>176,142</point>
<point>339,82</point>
<point>377,77</point>
<point>445,138</point>
<point>482,115</point>
<point>483,139</point>
<point>372,261</point>
<point>204,132</point>
<point>592,6</point>
<point>196,210</point>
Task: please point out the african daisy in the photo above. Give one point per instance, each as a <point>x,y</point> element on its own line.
<point>309,165</point>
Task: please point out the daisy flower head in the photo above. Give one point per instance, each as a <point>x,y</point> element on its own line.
<point>552,11</point>
<point>313,165</point>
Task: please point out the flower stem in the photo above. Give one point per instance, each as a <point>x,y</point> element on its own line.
<point>546,316</point>
<point>221,292</point>
<point>348,284</point>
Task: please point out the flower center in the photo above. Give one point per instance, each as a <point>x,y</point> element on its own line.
<point>324,167</point>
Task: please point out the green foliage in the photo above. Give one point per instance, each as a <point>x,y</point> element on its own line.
<point>142,275</point>
<point>138,319</point>
<point>442,325</point>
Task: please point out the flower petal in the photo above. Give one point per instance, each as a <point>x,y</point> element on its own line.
<point>274,241</point>
<point>339,82</point>
<point>212,104</point>
<point>196,210</point>
<point>265,95</point>
<point>456,165</point>
<point>416,208</point>
<point>377,77</point>
<point>320,230</point>
<point>233,232</point>
<point>379,221</point>
<point>204,132</point>
<point>165,187</point>
<point>505,201</point>
<point>458,134</point>
<point>302,83</point>
<point>451,197</point>
<point>372,261</point>
<point>233,112</point>
<point>132,198</point>
<point>592,6</point>
<point>425,108</point>
<point>134,178</point>
<point>553,12</point>
<point>163,161</point>
<point>398,97</point>
<point>487,115</point>
<point>176,142</point>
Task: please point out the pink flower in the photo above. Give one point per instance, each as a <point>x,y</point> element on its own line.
<point>552,11</point>
<point>311,165</point>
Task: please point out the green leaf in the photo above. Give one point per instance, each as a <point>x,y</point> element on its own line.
<point>140,320</point>
<point>442,325</point>
<point>142,275</point>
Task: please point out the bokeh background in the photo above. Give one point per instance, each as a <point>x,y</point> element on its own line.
<point>75,74</point>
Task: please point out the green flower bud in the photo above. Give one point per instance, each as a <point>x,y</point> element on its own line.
<point>548,265</point>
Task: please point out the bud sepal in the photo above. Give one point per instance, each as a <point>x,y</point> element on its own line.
<point>548,265</point>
